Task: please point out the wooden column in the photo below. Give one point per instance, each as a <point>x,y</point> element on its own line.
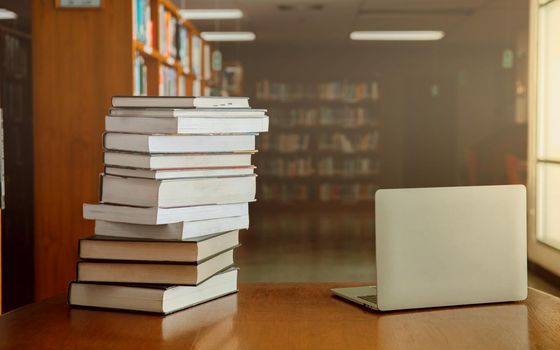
<point>80,59</point>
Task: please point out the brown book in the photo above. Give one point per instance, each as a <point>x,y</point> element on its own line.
<point>115,271</point>
<point>160,299</point>
<point>134,249</point>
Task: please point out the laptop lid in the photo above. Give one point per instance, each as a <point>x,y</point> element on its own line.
<point>450,246</point>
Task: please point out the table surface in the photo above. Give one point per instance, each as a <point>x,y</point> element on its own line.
<point>287,316</point>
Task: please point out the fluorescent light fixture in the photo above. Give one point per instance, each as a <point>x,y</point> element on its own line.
<point>211,13</point>
<point>402,35</point>
<point>7,14</point>
<point>228,36</point>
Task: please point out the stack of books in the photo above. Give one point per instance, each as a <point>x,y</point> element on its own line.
<point>174,194</point>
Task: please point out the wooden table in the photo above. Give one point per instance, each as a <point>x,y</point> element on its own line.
<point>286,316</point>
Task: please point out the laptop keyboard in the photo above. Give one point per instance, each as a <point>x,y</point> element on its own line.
<point>370,298</point>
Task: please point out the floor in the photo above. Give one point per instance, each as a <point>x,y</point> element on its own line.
<point>331,246</point>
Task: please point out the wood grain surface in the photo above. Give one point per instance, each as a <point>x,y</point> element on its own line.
<point>80,59</point>
<point>287,316</point>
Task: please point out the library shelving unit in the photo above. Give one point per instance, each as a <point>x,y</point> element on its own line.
<point>323,146</point>
<point>169,57</point>
<point>82,58</point>
<point>16,166</point>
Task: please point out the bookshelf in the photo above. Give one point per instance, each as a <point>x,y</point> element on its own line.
<point>323,145</point>
<point>17,167</point>
<point>87,56</point>
<point>169,56</point>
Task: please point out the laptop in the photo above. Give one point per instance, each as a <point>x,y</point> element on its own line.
<point>447,246</point>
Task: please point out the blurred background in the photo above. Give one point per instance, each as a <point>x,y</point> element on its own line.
<point>347,117</point>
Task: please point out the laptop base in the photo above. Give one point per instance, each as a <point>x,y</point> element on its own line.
<point>365,296</point>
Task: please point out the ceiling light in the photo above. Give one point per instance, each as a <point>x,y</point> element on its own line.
<point>228,36</point>
<point>7,14</point>
<point>211,13</point>
<point>398,35</point>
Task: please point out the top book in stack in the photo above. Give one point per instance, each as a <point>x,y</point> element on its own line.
<point>182,115</point>
<point>180,102</point>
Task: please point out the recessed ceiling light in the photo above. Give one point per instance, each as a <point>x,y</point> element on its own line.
<point>402,35</point>
<point>7,14</point>
<point>228,36</point>
<point>211,14</point>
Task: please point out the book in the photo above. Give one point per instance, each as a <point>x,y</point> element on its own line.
<point>196,52</point>
<point>180,102</point>
<point>178,173</point>
<point>177,192</point>
<point>207,62</point>
<point>140,75</point>
<point>187,125</point>
<point>167,81</point>
<point>153,272</point>
<point>160,299</point>
<point>184,51</point>
<point>178,161</point>
<point>160,216</point>
<point>135,249</point>
<point>179,231</point>
<point>178,143</point>
<point>185,112</point>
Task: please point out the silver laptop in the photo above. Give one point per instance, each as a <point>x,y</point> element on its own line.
<point>447,246</point>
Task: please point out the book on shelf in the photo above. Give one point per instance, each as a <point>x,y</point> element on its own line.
<point>207,60</point>
<point>161,299</point>
<point>177,192</point>
<point>207,90</point>
<point>180,102</point>
<point>179,143</point>
<point>354,192</point>
<point>286,192</point>
<point>197,87</point>
<point>162,39</point>
<point>196,48</point>
<point>341,117</point>
<point>184,273</point>
<point>142,22</point>
<point>187,125</point>
<point>336,91</point>
<point>155,161</point>
<point>192,250</point>
<point>171,23</point>
<point>140,75</point>
<point>167,81</point>
<point>180,231</point>
<point>184,49</point>
<point>185,112</point>
<point>160,216</point>
<point>182,85</point>
<point>165,174</point>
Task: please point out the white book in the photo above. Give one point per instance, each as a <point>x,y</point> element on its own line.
<point>177,161</point>
<point>160,216</point>
<point>178,173</point>
<point>160,299</point>
<point>178,143</point>
<point>115,271</point>
<point>187,125</point>
<point>175,231</point>
<point>174,113</point>
<point>180,102</point>
<point>177,192</point>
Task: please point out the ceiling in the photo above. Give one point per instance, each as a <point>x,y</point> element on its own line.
<point>324,22</point>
